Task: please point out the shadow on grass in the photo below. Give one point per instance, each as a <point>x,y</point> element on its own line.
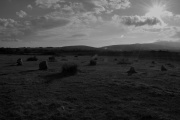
<point>11,65</point>
<point>2,74</point>
<point>57,76</point>
<point>28,71</point>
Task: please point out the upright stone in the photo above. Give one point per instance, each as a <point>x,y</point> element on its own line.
<point>131,71</point>
<point>19,62</point>
<point>163,68</point>
<point>43,65</point>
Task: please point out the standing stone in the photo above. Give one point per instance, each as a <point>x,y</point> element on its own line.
<point>95,57</point>
<point>19,62</point>
<point>163,68</point>
<point>131,71</point>
<point>43,65</point>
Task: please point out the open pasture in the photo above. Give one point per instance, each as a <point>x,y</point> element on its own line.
<point>101,92</point>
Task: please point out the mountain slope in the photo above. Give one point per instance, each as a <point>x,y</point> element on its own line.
<point>149,46</point>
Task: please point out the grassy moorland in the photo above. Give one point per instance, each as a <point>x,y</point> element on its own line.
<point>100,92</point>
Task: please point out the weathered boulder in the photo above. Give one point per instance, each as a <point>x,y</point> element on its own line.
<point>43,65</point>
<point>69,69</point>
<point>131,71</point>
<point>163,68</point>
<point>92,62</point>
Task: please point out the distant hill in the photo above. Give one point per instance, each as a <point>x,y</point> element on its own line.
<point>162,45</point>
<point>80,47</point>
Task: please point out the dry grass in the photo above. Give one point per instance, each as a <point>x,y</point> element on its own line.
<point>104,92</point>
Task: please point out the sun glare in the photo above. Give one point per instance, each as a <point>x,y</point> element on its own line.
<point>156,11</point>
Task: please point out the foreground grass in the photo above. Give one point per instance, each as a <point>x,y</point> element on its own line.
<point>101,92</point>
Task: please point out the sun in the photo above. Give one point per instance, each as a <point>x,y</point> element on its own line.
<point>156,11</point>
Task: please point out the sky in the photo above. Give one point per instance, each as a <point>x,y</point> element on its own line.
<point>97,23</point>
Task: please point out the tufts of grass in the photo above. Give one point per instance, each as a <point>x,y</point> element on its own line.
<point>69,68</point>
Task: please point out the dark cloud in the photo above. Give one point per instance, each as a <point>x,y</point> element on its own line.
<point>139,20</point>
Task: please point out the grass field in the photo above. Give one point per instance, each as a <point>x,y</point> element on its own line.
<point>100,92</point>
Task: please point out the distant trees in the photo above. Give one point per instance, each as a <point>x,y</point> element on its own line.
<point>167,55</point>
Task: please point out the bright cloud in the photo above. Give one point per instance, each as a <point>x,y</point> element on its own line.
<point>86,5</point>
<point>21,14</point>
<point>136,20</point>
<point>29,6</point>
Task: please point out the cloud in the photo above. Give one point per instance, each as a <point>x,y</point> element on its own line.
<point>29,6</point>
<point>78,35</point>
<point>139,21</point>
<point>21,14</point>
<point>9,40</point>
<point>154,30</point>
<point>7,23</point>
<point>176,35</point>
<point>48,22</point>
<point>96,6</point>
<point>11,29</point>
<point>167,14</point>
<point>11,34</point>
<point>119,4</point>
<point>74,18</point>
<point>57,6</point>
<point>47,3</point>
